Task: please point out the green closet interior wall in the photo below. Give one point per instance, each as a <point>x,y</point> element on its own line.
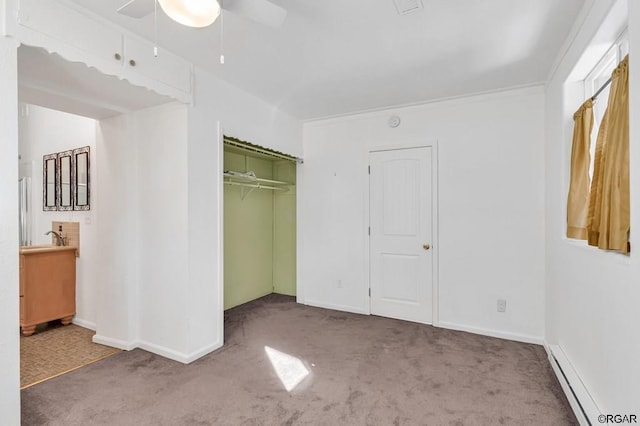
<point>284,228</point>
<point>259,231</point>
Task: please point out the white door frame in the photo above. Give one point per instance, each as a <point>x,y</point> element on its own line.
<point>435,246</point>
<point>220,229</point>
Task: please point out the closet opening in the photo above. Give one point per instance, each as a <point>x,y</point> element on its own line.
<point>259,222</point>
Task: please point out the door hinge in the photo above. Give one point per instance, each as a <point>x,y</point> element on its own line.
<point>369,291</point>
<point>369,169</point>
<point>369,231</point>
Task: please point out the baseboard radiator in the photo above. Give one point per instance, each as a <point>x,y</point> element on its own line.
<point>583,405</point>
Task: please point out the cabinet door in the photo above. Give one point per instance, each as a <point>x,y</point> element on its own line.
<point>166,68</point>
<point>49,287</point>
<point>71,27</point>
<point>23,278</point>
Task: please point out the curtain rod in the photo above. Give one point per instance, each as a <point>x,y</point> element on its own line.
<point>604,86</point>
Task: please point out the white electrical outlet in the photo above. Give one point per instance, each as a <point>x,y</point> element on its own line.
<point>502,305</point>
<point>339,283</point>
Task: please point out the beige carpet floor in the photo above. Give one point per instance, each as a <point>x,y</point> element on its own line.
<point>56,349</point>
<point>288,364</point>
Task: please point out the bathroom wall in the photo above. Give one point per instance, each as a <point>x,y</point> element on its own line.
<point>46,131</point>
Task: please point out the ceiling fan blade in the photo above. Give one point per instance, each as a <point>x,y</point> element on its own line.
<point>261,11</point>
<point>136,8</point>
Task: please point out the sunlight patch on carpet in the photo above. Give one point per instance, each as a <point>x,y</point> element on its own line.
<point>290,370</point>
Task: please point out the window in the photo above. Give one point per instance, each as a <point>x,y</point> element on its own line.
<point>598,79</point>
<point>598,203</point>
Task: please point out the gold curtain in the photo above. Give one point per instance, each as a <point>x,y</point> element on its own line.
<point>578,199</point>
<point>609,205</point>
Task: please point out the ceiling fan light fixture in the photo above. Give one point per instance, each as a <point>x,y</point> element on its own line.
<point>192,13</point>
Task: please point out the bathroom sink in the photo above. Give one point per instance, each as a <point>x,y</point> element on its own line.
<point>43,246</point>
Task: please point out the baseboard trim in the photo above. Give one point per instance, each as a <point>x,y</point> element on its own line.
<point>115,343</point>
<point>442,324</point>
<point>334,307</point>
<point>580,400</point>
<point>157,349</point>
<point>492,333</point>
<point>162,351</point>
<point>176,355</point>
<point>84,323</point>
<point>193,356</point>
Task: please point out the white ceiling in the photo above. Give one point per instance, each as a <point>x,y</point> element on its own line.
<point>334,57</point>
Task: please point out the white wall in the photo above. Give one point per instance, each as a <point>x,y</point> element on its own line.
<point>592,296</point>
<point>117,224</point>
<point>491,208</point>
<point>160,180</point>
<point>161,139</point>
<point>244,116</point>
<point>143,229</point>
<point>9,334</point>
<point>45,131</point>
<point>127,220</point>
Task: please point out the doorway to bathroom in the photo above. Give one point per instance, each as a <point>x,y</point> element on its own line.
<point>55,281</point>
<point>259,222</point>
<point>62,106</point>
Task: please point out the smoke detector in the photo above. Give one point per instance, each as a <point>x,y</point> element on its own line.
<point>405,7</point>
<point>394,121</point>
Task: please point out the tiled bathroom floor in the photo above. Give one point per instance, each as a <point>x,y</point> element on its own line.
<point>55,349</point>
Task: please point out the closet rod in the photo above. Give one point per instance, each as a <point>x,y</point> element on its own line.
<point>251,179</point>
<point>255,185</point>
<point>604,86</point>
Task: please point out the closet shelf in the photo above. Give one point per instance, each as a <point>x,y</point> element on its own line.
<point>250,180</point>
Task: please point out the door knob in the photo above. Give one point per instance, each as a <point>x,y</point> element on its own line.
<point>426,246</point>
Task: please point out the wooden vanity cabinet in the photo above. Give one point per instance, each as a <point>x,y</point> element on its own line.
<point>47,286</point>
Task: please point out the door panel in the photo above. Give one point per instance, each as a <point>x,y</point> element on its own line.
<point>400,206</point>
<point>397,278</point>
<point>401,224</point>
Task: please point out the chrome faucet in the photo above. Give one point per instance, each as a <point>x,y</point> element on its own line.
<point>59,238</point>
